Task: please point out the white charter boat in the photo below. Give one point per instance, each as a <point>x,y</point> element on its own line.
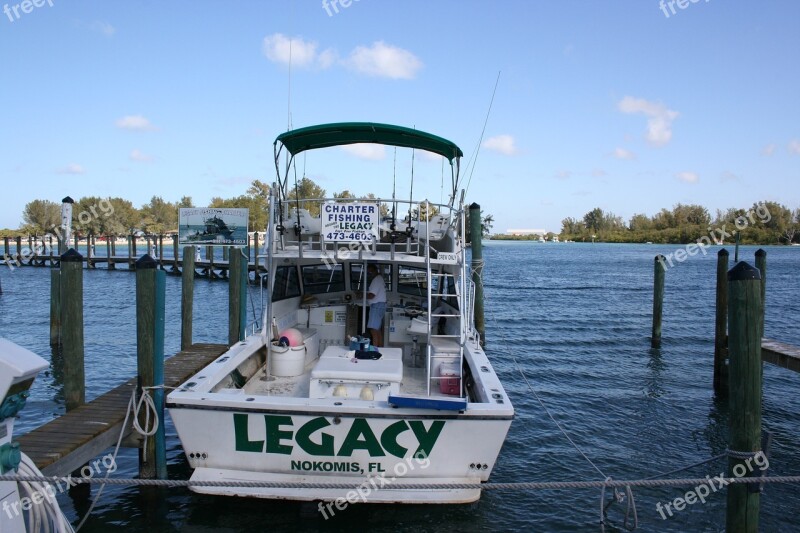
<point>430,411</point>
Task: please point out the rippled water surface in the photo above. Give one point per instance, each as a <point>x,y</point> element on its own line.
<point>570,321</point>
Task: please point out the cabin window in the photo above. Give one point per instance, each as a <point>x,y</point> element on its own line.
<point>287,283</point>
<point>357,272</point>
<point>319,279</point>
<point>411,280</point>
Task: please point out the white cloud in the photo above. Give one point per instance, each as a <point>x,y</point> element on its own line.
<point>135,123</point>
<point>794,146</point>
<point>688,177</point>
<point>503,144</point>
<point>103,27</point>
<point>385,61</point>
<point>729,176</point>
<point>768,150</point>
<point>366,151</point>
<point>659,118</point>
<point>295,51</point>
<point>138,155</point>
<point>72,168</point>
<point>622,153</point>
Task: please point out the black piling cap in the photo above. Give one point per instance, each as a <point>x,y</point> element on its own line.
<point>761,252</point>
<point>67,200</point>
<point>743,272</point>
<point>474,205</point>
<point>724,251</point>
<point>146,262</point>
<point>71,256</point>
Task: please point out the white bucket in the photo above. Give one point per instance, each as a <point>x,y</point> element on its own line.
<point>287,361</point>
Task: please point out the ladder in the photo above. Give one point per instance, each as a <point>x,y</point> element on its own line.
<point>444,348</point>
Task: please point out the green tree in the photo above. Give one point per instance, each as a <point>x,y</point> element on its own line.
<point>123,220</point>
<point>40,217</point>
<point>186,202</point>
<point>306,189</point>
<point>158,216</point>
<point>593,220</point>
<point>87,216</point>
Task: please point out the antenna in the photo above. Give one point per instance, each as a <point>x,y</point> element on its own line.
<point>485,122</point>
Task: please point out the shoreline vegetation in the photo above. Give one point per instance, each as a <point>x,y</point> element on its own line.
<point>93,216</point>
<point>764,223</point>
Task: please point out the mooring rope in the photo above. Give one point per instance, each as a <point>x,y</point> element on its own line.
<point>517,486</point>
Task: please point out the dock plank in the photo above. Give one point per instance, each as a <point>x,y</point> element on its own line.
<point>66,443</point>
<point>780,354</point>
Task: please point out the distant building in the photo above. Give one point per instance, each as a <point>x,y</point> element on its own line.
<point>521,232</point>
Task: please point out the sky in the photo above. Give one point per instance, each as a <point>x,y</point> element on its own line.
<point>626,105</point>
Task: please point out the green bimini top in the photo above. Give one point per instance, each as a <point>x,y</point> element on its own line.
<point>341,133</point>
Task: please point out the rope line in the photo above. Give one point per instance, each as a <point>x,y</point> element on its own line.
<point>530,485</point>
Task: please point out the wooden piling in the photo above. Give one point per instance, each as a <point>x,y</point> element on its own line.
<point>721,326</point>
<point>150,298</point>
<point>476,239</point>
<point>187,297</point>
<point>19,250</point>
<point>55,307</point>
<point>761,265</point>
<point>237,296</point>
<point>108,252</point>
<point>72,328</point>
<point>744,344</point>
<point>659,271</point>
<point>176,255</point>
<point>133,246</point>
<point>6,247</point>
<point>89,254</point>
<point>161,251</point>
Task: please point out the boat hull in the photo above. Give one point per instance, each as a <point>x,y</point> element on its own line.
<point>377,452</point>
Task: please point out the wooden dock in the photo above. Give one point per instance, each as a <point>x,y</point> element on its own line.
<point>67,443</point>
<point>780,354</point>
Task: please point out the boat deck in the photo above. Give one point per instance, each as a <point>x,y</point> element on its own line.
<point>413,382</point>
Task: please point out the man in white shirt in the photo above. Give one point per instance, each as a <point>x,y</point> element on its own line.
<point>376,296</point>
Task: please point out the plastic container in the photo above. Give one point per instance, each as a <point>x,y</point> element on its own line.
<point>449,385</point>
<point>287,361</point>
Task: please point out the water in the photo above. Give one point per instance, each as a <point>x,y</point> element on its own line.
<point>574,319</point>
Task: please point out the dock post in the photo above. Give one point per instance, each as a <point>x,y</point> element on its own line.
<point>108,251</point>
<point>72,328</point>
<point>161,251</point>
<point>19,251</point>
<point>225,255</point>
<point>66,225</point>
<point>210,258</point>
<point>55,307</point>
<point>744,308</point>
<point>187,296</point>
<point>89,254</point>
<point>50,247</point>
<point>133,246</point>
<point>721,326</point>
<point>150,298</point>
<point>237,296</point>
<point>6,247</point>
<point>659,269</point>
<point>761,265</point>
<point>476,239</point>
<point>175,254</point>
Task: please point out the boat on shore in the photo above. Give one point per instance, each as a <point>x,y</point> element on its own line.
<point>303,401</point>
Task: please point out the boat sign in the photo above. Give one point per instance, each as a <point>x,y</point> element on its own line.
<point>447,258</point>
<point>323,437</point>
<point>350,222</point>
<point>213,226</point>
